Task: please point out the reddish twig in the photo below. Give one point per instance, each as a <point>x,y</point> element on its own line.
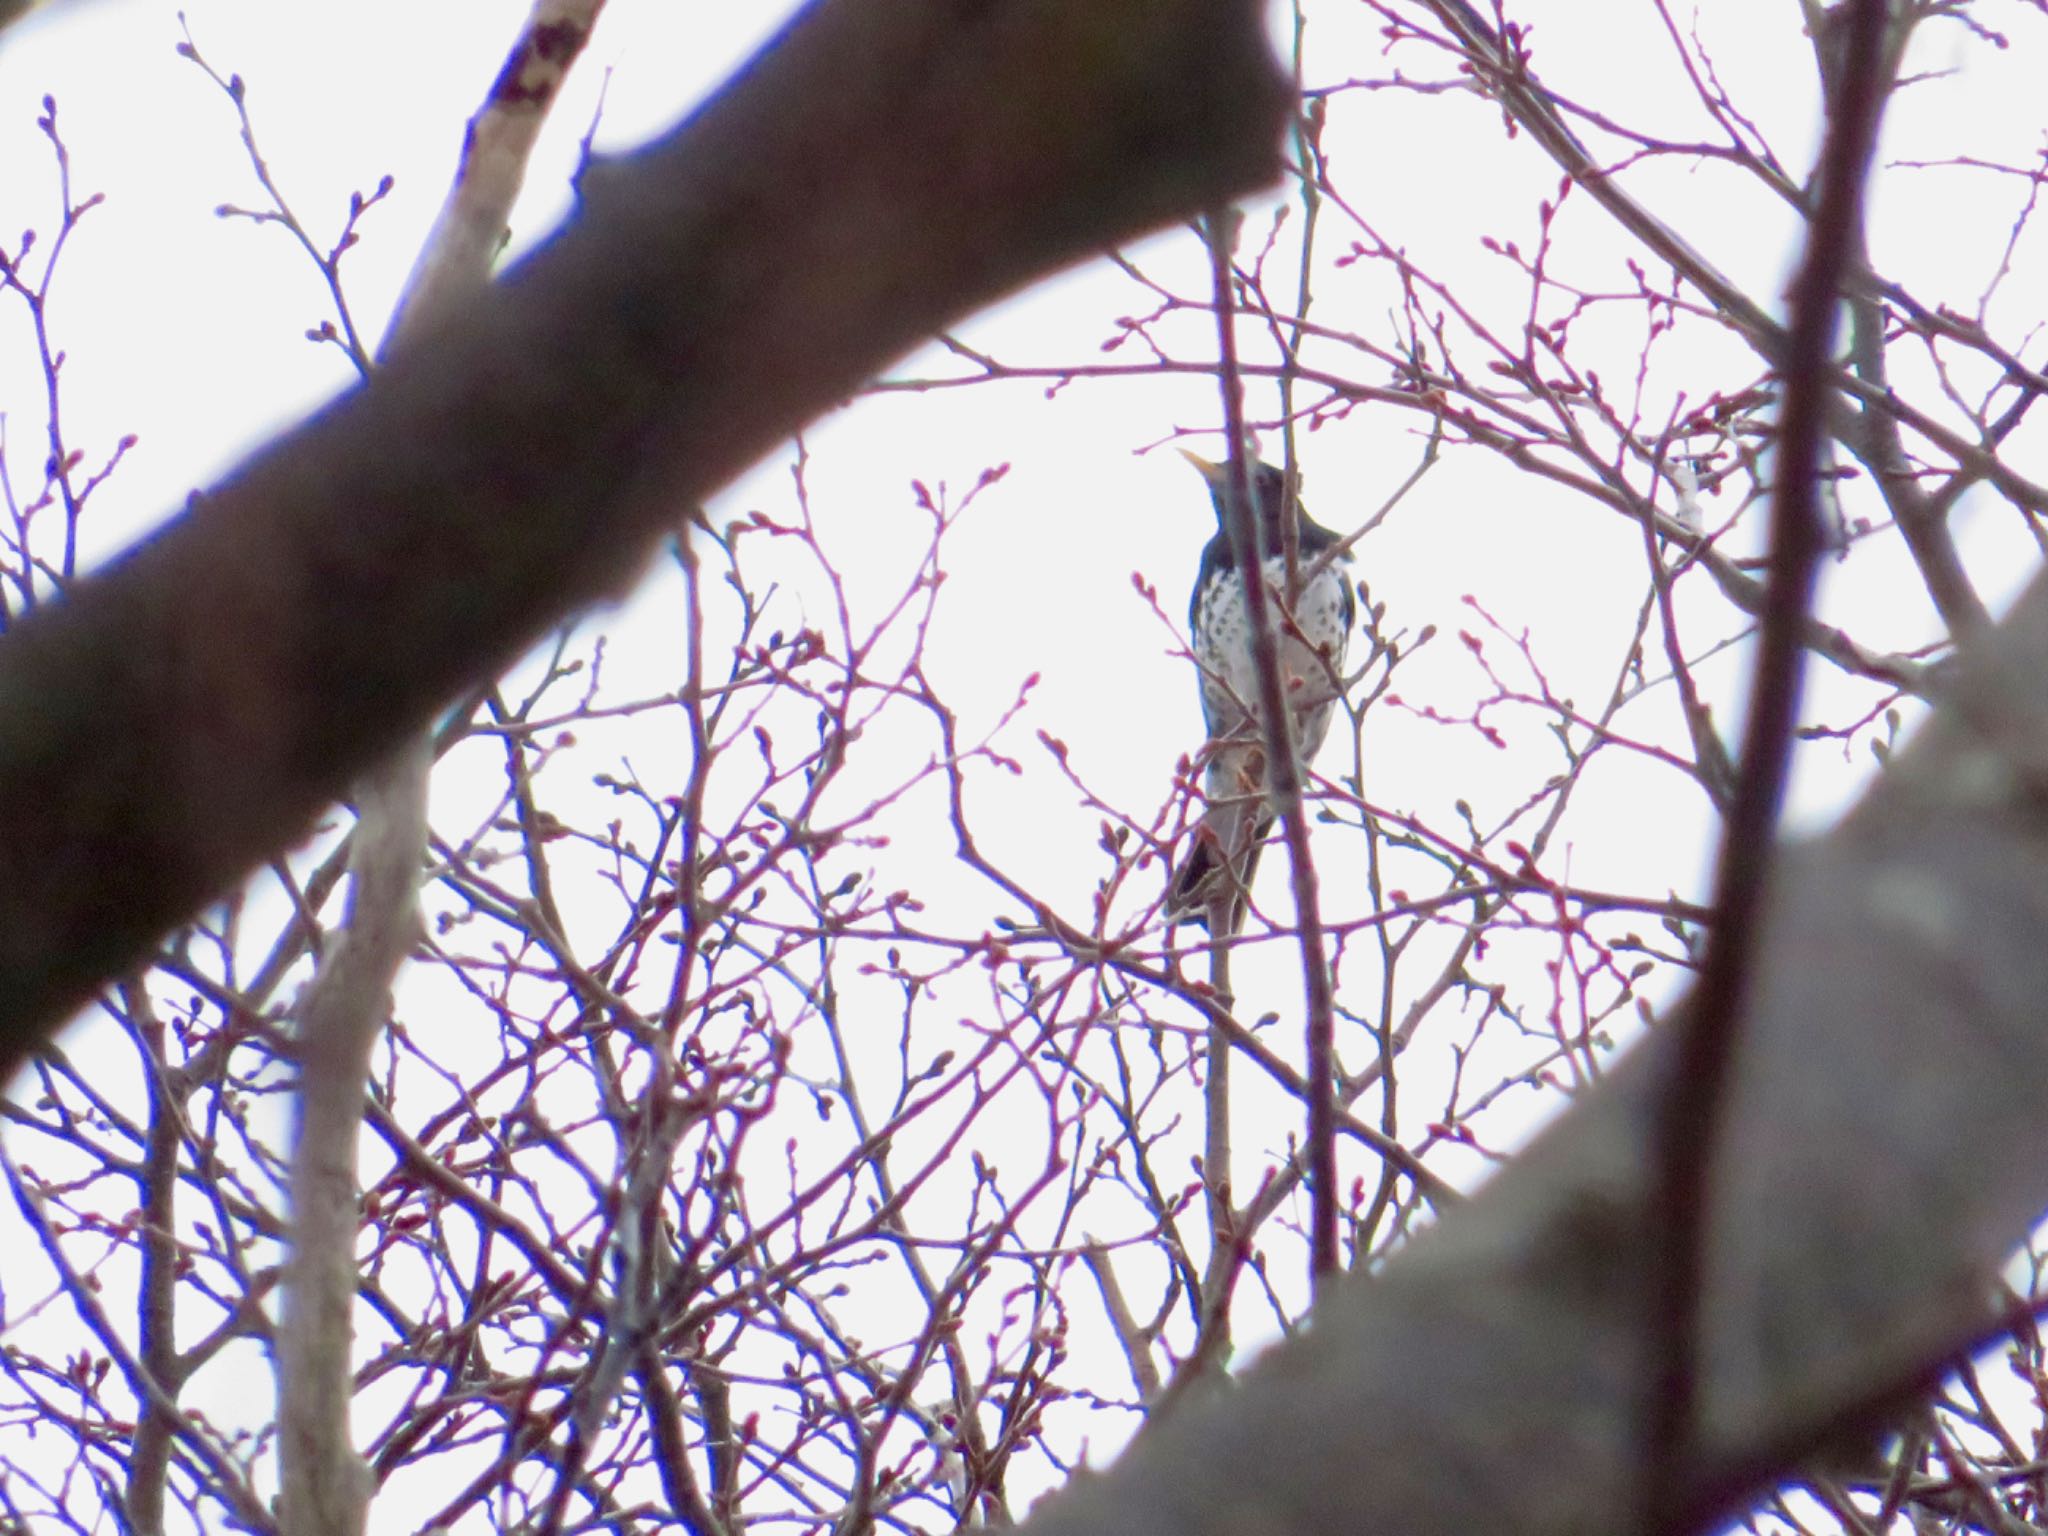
<point>1283,785</point>
<point>1704,1059</point>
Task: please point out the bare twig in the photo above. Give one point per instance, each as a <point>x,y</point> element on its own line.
<point>1283,776</point>
<point>1219,1276</point>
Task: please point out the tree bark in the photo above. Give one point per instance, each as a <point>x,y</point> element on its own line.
<point>1883,1148</point>
<point>879,171</point>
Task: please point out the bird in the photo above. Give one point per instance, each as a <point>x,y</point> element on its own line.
<point>1312,635</point>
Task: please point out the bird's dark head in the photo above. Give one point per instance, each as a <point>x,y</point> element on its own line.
<point>1269,492</point>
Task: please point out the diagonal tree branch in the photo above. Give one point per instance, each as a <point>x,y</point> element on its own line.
<point>1526,100</point>
<point>876,173</point>
<point>1882,1147</point>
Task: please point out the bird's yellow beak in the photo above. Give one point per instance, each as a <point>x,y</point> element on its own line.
<point>1213,473</point>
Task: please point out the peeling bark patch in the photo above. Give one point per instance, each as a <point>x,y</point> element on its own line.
<point>545,53</point>
<point>559,40</point>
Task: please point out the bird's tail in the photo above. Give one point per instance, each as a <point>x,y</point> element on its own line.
<point>1226,846</point>
<point>1204,875</point>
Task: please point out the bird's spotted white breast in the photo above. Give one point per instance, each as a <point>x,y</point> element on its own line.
<point>1311,650</point>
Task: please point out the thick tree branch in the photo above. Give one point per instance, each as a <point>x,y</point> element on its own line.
<point>325,1487</point>
<point>877,172</point>
<point>1883,1146</point>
